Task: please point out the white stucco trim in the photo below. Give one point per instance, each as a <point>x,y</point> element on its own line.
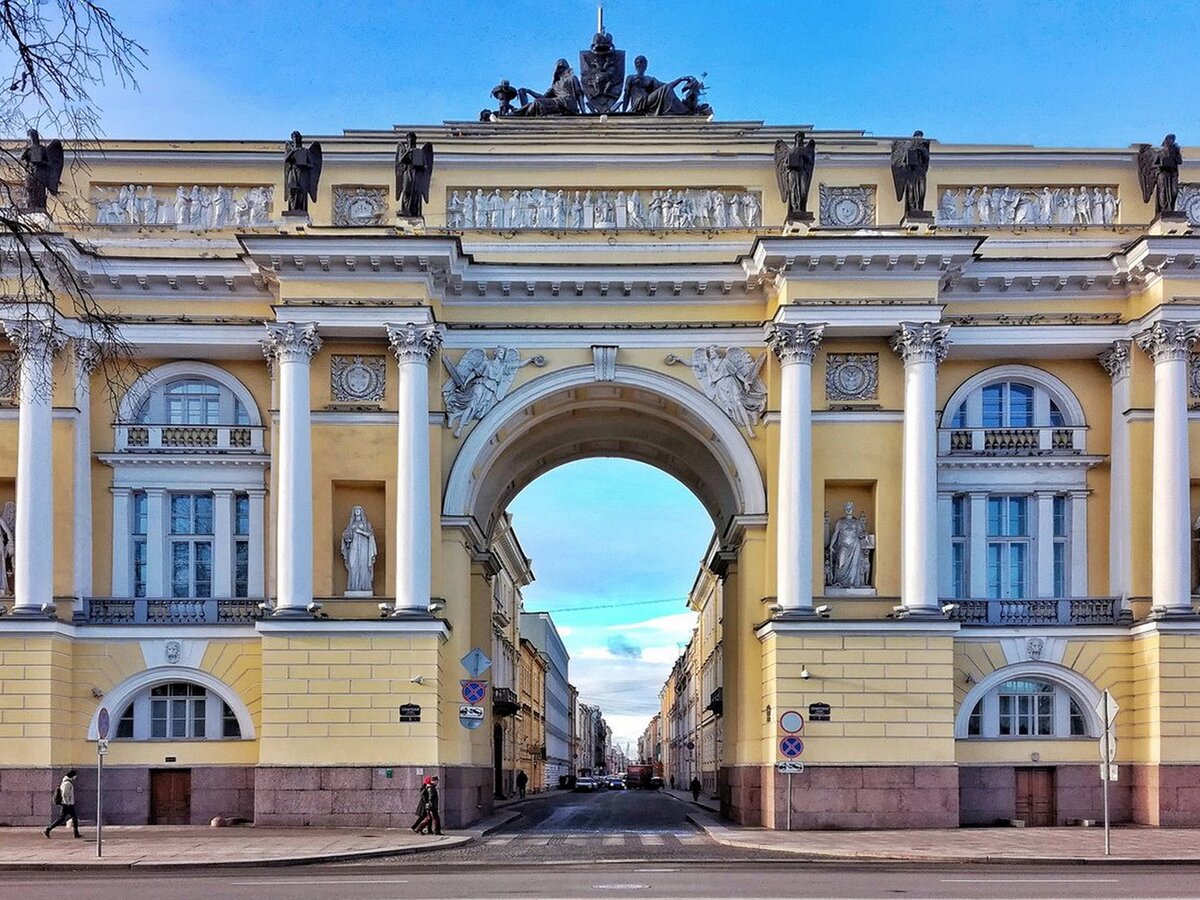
<point>483,443</point>
<point>1082,688</point>
<point>120,696</point>
<point>145,385</point>
<point>1068,403</point>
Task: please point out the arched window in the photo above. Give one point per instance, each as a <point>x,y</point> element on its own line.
<point>192,400</point>
<point>1015,403</point>
<point>1029,701</point>
<point>177,711</point>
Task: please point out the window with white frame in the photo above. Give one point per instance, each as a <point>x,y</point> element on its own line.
<point>192,400</point>
<point>178,711</point>
<point>1008,404</point>
<point>1060,546</point>
<point>139,528</point>
<point>191,545</point>
<point>959,548</point>
<point>241,545</point>
<point>1027,708</point>
<point>1008,542</point>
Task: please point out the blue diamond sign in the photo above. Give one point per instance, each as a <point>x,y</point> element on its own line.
<point>476,663</point>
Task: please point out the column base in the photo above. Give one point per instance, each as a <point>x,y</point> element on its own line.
<point>927,613</point>
<point>800,613</point>
<point>32,612</point>
<point>291,612</point>
<point>412,613</point>
<point>1158,613</point>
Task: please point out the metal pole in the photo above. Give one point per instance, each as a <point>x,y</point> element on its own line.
<point>789,802</point>
<point>1107,772</point>
<point>99,803</point>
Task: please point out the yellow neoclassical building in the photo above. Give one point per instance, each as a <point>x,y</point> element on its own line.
<point>951,463</point>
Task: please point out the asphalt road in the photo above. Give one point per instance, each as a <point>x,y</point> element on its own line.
<point>613,845</point>
<point>696,881</point>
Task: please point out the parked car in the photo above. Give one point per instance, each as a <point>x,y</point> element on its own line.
<point>585,784</point>
<point>656,783</point>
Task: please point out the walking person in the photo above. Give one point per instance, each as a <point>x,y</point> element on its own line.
<point>672,782</point>
<point>422,808</point>
<point>695,789</point>
<point>64,797</point>
<point>522,783</point>
<point>434,802</point>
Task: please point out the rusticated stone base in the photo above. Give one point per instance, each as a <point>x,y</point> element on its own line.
<point>987,795</point>
<point>366,796</point>
<point>869,797</point>
<point>843,797</point>
<point>740,791</point>
<point>1168,796</point>
<point>25,794</point>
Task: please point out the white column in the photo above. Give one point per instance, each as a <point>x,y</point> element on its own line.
<point>1043,541</point>
<point>414,346</point>
<point>795,346</point>
<point>291,348</point>
<point>158,523</point>
<point>222,558</point>
<point>37,343</point>
<point>1077,545</point>
<point>1116,361</point>
<point>87,358</point>
<point>122,562</point>
<point>922,346</point>
<point>977,547</point>
<point>255,585</point>
<point>1170,344</point>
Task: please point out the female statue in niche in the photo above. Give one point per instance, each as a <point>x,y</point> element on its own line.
<point>358,552</point>
<point>848,563</point>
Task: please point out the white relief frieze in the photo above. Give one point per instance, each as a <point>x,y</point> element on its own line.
<point>183,206</point>
<point>1024,205</point>
<point>632,208</point>
<point>478,382</point>
<point>10,370</point>
<point>359,204</point>
<point>848,207</point>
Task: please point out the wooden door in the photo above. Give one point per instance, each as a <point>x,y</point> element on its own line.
<point>170,796</point>
<point>1035,796</point>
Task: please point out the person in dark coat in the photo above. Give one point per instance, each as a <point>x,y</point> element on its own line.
<point>435,815</point>
<point>422,807</point>
<point>522,782</point>
<point>695,788</point>
<point>65,798</point>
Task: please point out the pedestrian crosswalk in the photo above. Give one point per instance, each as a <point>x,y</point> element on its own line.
<point>627,840</point>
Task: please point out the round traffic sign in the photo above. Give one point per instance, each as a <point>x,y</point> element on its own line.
<point>102,723</point>
<point>791,747</point>
<point>791,722</point>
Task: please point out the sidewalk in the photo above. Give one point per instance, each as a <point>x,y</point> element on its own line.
<point>1130,844</point>
<point>176,847</point>
<point>712,804</point>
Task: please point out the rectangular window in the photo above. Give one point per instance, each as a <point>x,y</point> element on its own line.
<point>191,545</point>
<point>1008,547</point>
<point>241,514</point>
<point>241,569</point>
<point>140,515</point>
<point>958,546</point>
<point>993,406</point>
<point>1059,550</point>
<point>139,567</point>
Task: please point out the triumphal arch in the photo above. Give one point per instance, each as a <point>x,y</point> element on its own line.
<point>938,400</point>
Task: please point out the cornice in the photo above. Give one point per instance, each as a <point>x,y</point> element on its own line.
<point>1020,462</point>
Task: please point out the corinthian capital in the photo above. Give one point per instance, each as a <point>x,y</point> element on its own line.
<point>414,343</point>
<point>794,343</point>
<point>34,338</point>
<point>1116,359</point>
<point>921,342</point>
<point>290,342</point>
<point>1168,341</point>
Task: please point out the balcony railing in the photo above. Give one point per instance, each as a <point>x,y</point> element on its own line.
<point>168,611</point>
<point>1011,441</point>
<point>189,438</point>
<point>1068,611</point>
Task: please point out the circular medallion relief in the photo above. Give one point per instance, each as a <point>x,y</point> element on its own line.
<point>848,211</point>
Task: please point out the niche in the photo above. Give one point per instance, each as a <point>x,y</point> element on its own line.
<point>372,497</point>
<point>849,538</point>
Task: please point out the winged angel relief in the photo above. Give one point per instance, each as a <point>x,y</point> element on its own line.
<point>731,380</point>
<point>479,382</point>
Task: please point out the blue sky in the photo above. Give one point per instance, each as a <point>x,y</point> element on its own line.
<point>1081,73</point>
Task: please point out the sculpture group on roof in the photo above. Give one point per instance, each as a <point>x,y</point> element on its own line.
<point>601,88</point>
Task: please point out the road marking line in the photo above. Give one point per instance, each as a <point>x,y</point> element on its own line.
<point>614,841</point>
<point>295,881</point>
<point>652,840</point>
<point>500,841</point>
<point>1030,881</point>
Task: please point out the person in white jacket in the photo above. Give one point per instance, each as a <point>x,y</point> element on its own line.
<point>66,802</point>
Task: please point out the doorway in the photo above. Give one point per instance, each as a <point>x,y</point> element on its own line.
<point>1035,797</point>
<point>170,796</point>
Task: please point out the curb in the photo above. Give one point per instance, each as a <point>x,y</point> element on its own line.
<point>729,838</point>
<point>274,862</point>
